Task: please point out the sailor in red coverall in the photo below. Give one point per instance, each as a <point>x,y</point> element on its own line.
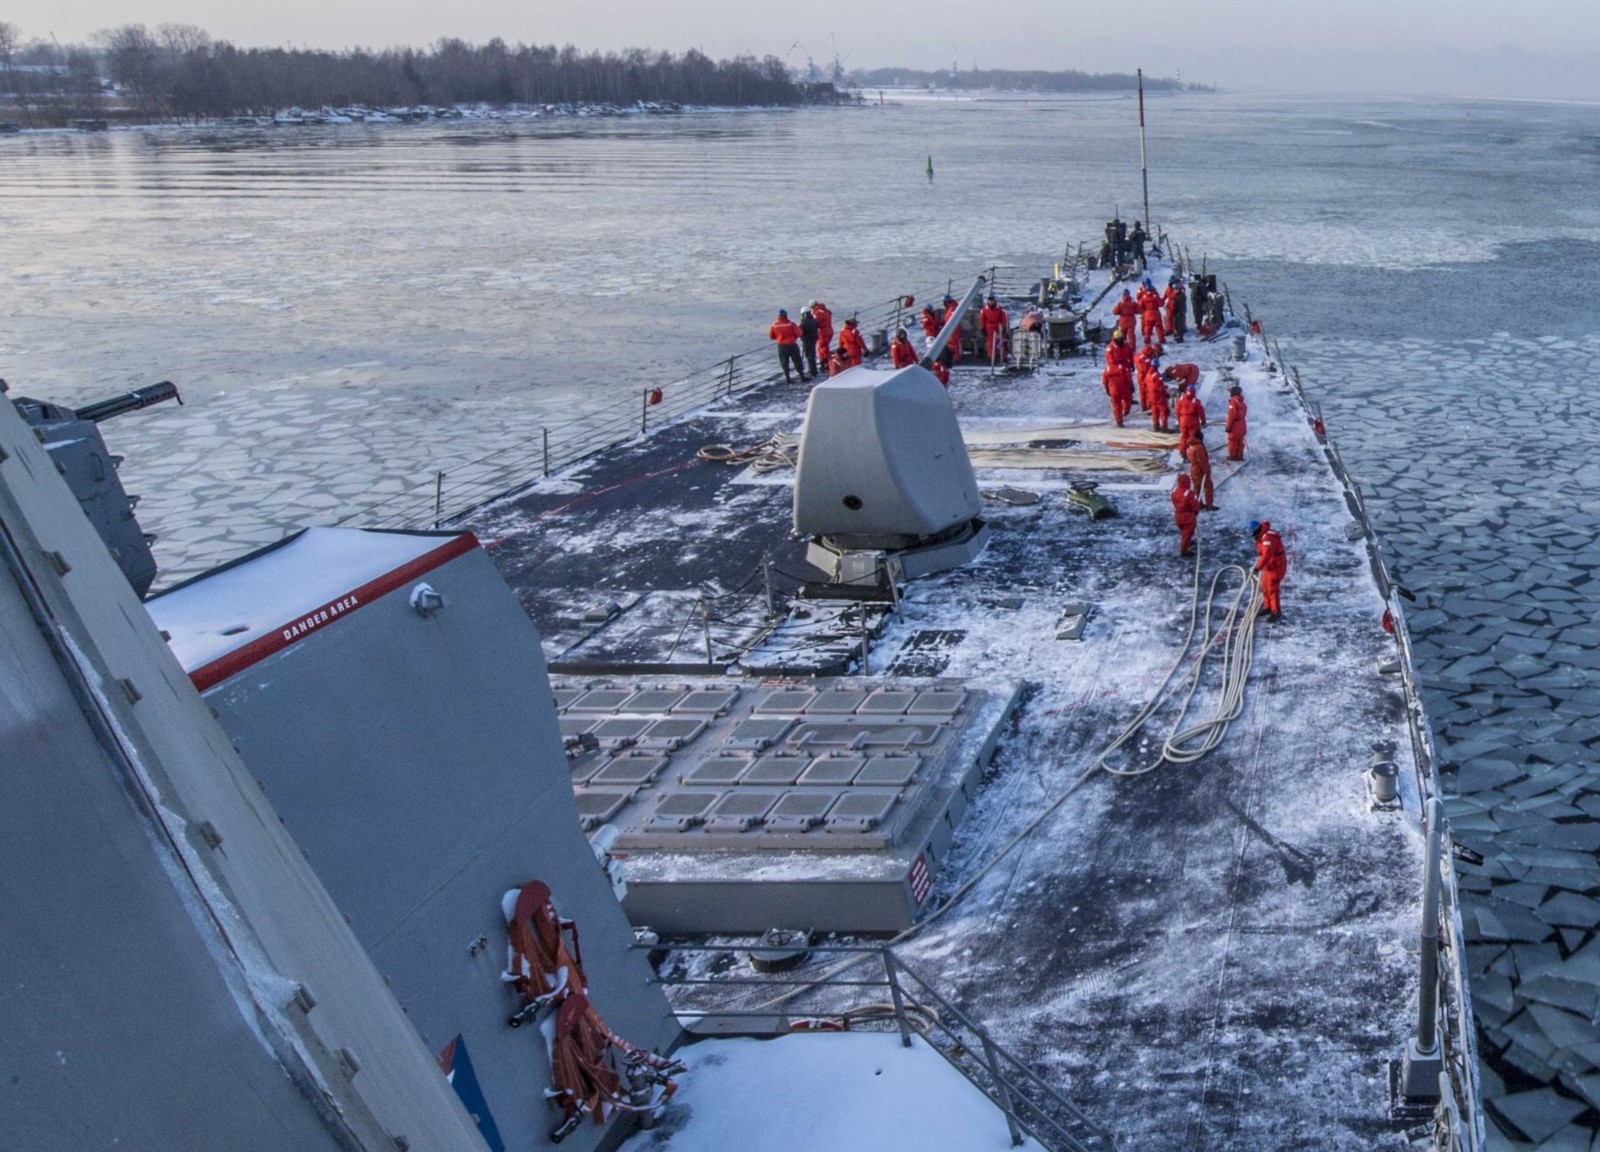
<point>1186,511</point>
<point>824,319</point>
<point>1200,473</point>
<point>1186,375</point>
<point>992,322</point>
<point>852,342</point>
<point>1271,563</point>
<point>1118,378</point>
<point>1149,302</point>
<point>1160,414</point>
<point>839,361</point>
<point>901,353</point>
<point>1191,418</point>
<point>787,333</point>
<point>952,349</point>
<point>941,372</point>
<point>930,323</point>
<point>1127,314</point>
<point>1235,423</point>
<point>1145,366</point>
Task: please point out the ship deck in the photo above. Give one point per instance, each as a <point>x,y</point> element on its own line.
<point>1219,955</point>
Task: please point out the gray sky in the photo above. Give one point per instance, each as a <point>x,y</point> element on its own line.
<point>1532,48</point>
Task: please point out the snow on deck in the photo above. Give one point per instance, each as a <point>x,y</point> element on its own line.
<point>823,1092</point>
<point>1213,956</point>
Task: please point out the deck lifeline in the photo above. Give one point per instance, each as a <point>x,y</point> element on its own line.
<point>1217,956</point>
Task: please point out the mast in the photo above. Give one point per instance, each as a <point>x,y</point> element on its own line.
<point>1144,171</point>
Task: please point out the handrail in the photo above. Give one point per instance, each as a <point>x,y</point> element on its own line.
<point>1031,1106</point>
<point>443,496</point>
<point>1460,1041</point>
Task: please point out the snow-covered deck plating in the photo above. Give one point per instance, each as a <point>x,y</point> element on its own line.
<point>1220,955</point>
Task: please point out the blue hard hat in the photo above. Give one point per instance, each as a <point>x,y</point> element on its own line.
<point>1254,526</point>
<point>782,314</point>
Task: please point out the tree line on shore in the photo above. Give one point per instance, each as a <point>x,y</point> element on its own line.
<point>178,71</point>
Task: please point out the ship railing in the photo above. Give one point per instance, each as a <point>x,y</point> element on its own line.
<point>902,1000</point>
<point>446,496</point>
<point>1460,1114</point>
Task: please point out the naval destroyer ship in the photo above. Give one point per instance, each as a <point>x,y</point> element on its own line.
<point>865,711</point>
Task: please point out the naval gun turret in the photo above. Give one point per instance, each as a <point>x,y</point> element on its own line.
<point>79,452</point>
<point>883,486</point>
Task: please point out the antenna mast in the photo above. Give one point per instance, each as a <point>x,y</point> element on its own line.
<point>1144,171</point>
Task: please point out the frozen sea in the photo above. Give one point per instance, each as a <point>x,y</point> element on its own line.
<point>349,309</point>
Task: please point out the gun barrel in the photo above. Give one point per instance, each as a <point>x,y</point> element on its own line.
<point>129,402</point>
<point>952,322</point>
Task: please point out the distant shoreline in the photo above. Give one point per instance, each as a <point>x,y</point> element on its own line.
<point>294,118</point>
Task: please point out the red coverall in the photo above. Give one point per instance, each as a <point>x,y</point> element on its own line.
<point>787,333</point>
<point>1159,413</point>
<point>930,322</point>
<point>1118,382</point>
<point>1146,372</point>
<point>942,373</point>
<point>852,343</point>
<point>1272,563</point>
<point>901,353</point>
<point>1150,314</point>
<point>1200,473</point>
<point>1191,418</point>
<point>838,362</point>
<point>1235,427</point>
<point>992,321</point>
<point>824,319</point>
<point>1127,314</point>
<point>1185,374</point>
<point>1186,511</point>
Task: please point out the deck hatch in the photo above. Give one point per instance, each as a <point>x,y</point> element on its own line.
<point>672,733</point>
<point>837,702</point>
<point>740,811</point>
<point>653,700</point>
<point>631,769</point>
<point>757,734</point>
<point>860,811</point>
<point>893,769</point>
<point>619,733</point>
<point>888,702</point>
<point>601,700</point>
<point>833,769</point>
<point>597,805</point>
<point>719,770</point>
<point>713,700</point>
<point>785,700</point>
<point>938,702</point>
<point>680,811</point>
<point>777,768</point>
<point>799,811</point>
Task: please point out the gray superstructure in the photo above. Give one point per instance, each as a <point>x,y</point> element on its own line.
<point>176,975</point>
